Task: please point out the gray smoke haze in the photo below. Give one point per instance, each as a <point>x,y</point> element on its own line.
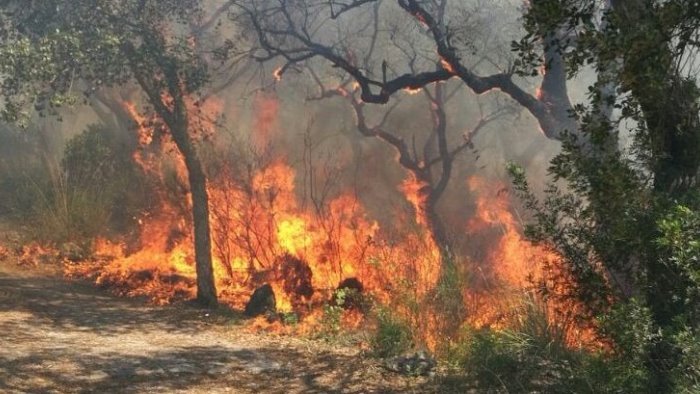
<point>322,134</point>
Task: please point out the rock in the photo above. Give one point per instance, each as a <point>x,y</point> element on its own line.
<point>261,302</point>
<point>417,364</point>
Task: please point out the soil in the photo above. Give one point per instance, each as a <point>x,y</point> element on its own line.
<point>61,336</point>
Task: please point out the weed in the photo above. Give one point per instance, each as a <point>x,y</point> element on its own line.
<point>392,337</point>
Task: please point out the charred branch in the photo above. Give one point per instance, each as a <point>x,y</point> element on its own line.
<point>291,41</point>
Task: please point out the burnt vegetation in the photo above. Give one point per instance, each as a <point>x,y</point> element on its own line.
<point>493,196</point>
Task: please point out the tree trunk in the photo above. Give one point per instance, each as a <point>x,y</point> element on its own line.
<point>668,104</point>
<point>206,287</point>
<point>666,98</point>
<point>437,229</point>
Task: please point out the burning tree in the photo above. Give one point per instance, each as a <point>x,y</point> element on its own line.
<point>431,165</point>
<point>296,33</point>
<point>55,52</point>
<point>378,54</point>
<point>642,53</point>
<point>429,157</point>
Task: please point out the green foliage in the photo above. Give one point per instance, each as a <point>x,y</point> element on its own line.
<point>532,356</point>
<point>331,322</point>
<point>612,232</point>
<point>392,337</point>
<point>88,194</point>
<point>289,318</point>
<point>49,47</point>
<point>680,239</point>
<point>65,213</point>
<point>529,356</point>
<point>686,374</point>
<point>448,292</point>
<point>625,219</point>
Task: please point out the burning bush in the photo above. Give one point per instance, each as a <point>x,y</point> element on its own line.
<point>295,276</point>
<point>275,252</point>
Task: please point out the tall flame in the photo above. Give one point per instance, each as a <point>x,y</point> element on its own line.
<point>262,233</point>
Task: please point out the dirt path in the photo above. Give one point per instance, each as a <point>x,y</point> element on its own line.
<point>62,336</point>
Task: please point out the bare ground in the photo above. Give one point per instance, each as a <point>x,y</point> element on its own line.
<point>60,336</point>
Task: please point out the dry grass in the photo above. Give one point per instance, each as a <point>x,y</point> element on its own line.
<point>67,336</point>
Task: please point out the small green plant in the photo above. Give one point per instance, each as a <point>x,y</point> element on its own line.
<point>331,321</point>
<point>289,318</point>
<point>393,336</point>
<point>333,312</point>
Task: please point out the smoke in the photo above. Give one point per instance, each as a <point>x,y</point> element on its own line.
<point>295,150</point>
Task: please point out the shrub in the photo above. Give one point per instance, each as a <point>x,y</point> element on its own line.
<point>331,322</point>
<point>392,337</point>
<point>89,192</point>
<point>532,356</point>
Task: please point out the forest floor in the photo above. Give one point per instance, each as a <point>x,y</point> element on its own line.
<point>64,336</point>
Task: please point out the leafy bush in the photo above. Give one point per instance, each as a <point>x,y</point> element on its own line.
<point>331,322</point>
<point>289,318</point>
<point>91,191</point>
<point>529,356</point>
<point>686,375</point>
<point>532,356</point>
<point>392,337</point>
<point>630,254</point>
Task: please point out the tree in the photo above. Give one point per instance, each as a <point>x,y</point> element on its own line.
<point>55,51</point>
<point>297,32</point>
<point>614,221</point>
<point>624,223</point>
<point>429,158</point>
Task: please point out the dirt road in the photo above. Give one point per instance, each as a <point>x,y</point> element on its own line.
<point>59,336</point>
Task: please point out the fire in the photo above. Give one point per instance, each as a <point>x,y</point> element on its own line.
<point>415,192</point>
<point>277,74</point>
<point>447,66</point>
<point>145,133</point>
<point>262,233</point>
<point>515,255</point>
<point>516,263</point>
<point>412,91</point>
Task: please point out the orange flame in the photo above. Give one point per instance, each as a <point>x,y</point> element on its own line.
<point>412,91</point>
<point>262,234</point>
<point>447,66</point>
<point>277,74</point>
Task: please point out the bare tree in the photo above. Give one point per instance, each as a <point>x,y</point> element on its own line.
<point>298,31</point>
<point>430,165</point>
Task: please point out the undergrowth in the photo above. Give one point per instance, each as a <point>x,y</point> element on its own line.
<point>94,189</point>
